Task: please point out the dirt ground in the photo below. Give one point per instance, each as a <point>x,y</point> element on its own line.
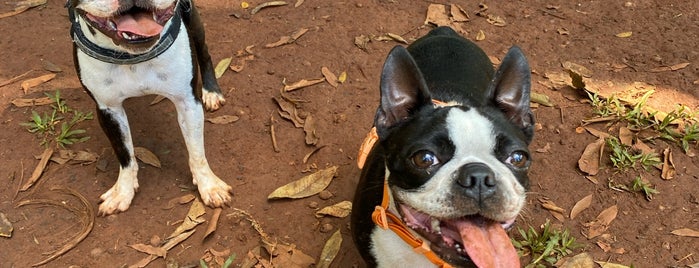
<point>664,33</point>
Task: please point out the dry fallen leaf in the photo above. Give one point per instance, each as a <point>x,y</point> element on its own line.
<point>480,36</point>
<point>267,4</point>
<point>601,223</point>
<point>329,76</point>
<point>625,136</point>
<point>458,14</point>
<point>302,83</point>
<point>668,171</point>
<point>339,210</point>
<point>148,249</point>
<point>686,232</point>
<point>32,102</point>
<point>582,260</point>
<point>30,83</point>
<point>309,129</point>
<point>22,6</point>
<point>167,246</point>
<point>542,99</point>
<point>81,157</point>
<point>437,15</point>
<point>222,66</point>
<point>192,219</point>
<point>555,210</point>
<point>581,205</point>
<point>496,20</point>
<point>45,157</point>
<point>287,110</point>
<point>397,38</point>
<point>238,67</point>
<point>288,39</point>
<point>330,250</point>
<point>213,223</point>
<point>624,34</point>
<point>604,264</point>
<point>362,41</point>
<point>675,67</point>
<point>5,226</point>
<point>306,186</point>
<point>180,200</point>
<point>223,119</point>
<point>590,158</point>
<point>146,156</point>
<point>342,78</point>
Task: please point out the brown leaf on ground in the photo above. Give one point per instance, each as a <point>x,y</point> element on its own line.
<point>542,99</point>
<point>639,145</point>
<point>686,232</point>
<point>582,260</point>
<point>362,41</point>
<point>581,205</point>
<point>223,119</point>
<point>22,6</point>
<point>308,155</point>
<point>148,249</point>
<point>81,157</point>
<point>590,159</point>
<point>577,68</point>
<point>668,171</point>
<point>287,110</point>
<point>30,83</point>
<point>306,186</point>
<point>38,170</point>
<point>302,83</point>
<point>601,223</point>
<point>556,211</point>
<point>267,4</point>
<point>675,67</point>
<point>50,66</point>
<point>329,76</point>
<point>5,226</point>
<point>32,102</point>
<point>192,219</point>
<point>437,15</point>
<point>240,64</point>
<point>146,156</point>
<point>169,244</point>
<point>330,250</point>
<point>339,210</point>
<point>309,128</point>
<point>288,39</point>
<point>597,133</point>
<point>625,136</point>
<point>604,264</point>
<point>213,223</point>
<point>180,201</point>
<point>458,14</point>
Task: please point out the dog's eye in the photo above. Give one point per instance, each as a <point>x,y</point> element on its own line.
<point>518,159</point>
<point>424,159</point>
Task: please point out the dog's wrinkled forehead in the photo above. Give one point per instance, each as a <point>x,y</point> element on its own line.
<point>106,8</point>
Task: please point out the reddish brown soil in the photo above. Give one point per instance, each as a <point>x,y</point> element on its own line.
<point>664,33</point>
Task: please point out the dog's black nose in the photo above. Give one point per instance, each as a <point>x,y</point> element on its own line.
<point>477,180</point>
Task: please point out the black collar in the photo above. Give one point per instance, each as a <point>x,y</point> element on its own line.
<point>118,57</point>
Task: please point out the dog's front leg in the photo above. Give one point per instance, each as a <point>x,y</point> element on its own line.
<point>190,115</point>
<point>116,126</point>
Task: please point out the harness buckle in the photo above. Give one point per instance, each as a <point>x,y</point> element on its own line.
<point>379,217</point>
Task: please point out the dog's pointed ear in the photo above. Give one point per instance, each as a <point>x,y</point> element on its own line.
<point>403,90</point>
<point>511,89</point>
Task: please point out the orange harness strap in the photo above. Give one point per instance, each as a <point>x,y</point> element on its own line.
<point>386,219</point>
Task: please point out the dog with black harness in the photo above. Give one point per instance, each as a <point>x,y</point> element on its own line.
<point>131,48</point>
<point>444,173</point>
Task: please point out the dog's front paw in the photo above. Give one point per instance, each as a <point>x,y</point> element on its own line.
<point>214,192</point>
<point>212,100</point>
<point>117,199</point>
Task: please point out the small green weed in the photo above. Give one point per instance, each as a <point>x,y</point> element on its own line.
<point>623,158</point>
<point>45,126</point>
<point>548,246</point>
<point>637,116</point>
<point>639,185</point>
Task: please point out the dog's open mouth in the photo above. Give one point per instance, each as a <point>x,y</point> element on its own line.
<point>135,25</point>
<point>467,239</point>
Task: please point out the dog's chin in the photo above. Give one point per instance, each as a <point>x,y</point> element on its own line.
<point>136,29</point>
<point>445,235</point>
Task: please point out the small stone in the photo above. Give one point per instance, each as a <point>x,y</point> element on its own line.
<point>313,205</point>
<point>326,228</point>
<point>96,252</point>
<point>156,241</point>
<point>325,195</point>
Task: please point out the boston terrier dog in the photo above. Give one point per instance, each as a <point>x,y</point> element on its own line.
<point>129,48</point>
<point>448,172</point>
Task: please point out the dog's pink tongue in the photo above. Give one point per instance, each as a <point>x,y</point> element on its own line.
<point>141,24</point>
<point>487,244</point>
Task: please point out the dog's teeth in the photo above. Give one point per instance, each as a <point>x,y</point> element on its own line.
<point>435,226</point>
<point>125,36</point>
<point>112,25</point>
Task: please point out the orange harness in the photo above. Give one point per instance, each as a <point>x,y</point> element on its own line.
<point>389,221</point>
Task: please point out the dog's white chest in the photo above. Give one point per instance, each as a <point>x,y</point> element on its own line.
<point>169,74</point>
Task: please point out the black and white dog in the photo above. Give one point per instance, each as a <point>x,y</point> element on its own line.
<point>129,48</point>
<point>452,149</point>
